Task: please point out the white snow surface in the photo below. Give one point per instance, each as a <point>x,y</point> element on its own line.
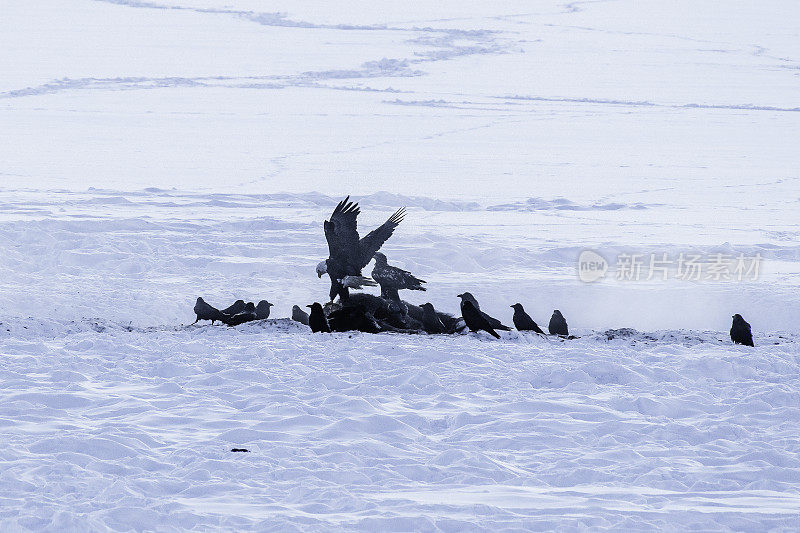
<point>130,428</point>
<point>156,151</point>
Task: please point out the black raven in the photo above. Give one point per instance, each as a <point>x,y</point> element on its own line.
<point>248,314</point>
<point>558,325</point>
<point>431,322</point>
<point>523,322</point>
<point>298,315</point>
<point>235,308</point>
<point>475,320</point>
<point>348,253</point>
<point>392,279</point>
<point>317,320</point>
<point>468,297</point>
<point>262,309</point>
<point>205,311</point>
<point>740,331</point>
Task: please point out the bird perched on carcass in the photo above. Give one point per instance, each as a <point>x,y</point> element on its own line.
<point>393,279</point>
<point>349,254</point>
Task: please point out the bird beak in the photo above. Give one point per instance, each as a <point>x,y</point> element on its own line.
<point>459,295</point>
<point>319,274</point>
<point>309,306</point>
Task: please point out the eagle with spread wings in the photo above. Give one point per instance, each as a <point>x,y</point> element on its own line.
<point>349,253</point>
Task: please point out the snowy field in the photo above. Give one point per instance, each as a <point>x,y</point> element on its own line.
<point>156,151</point>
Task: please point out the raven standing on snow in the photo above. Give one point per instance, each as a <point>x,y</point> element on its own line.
<point>317,320</point>
<point>475,320</point>
<point>298,315</point>
<point>391,279</point>
<point>523,322</point>
<point>262,310</point>
<point>740,331</point>
<point>348,253</point>
<point>558,324</point>
<point>205,311</point>
<point>493,322</point>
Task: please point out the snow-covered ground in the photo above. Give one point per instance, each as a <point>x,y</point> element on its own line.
<point>106,426</point>
<point>154,151</point>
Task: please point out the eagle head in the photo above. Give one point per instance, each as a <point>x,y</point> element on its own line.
<point>322,268</point>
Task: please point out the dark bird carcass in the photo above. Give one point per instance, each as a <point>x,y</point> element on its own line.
<point>349,254</point>
<point>353,318</point>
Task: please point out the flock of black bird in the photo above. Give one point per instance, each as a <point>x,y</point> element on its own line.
<point>349,255</point>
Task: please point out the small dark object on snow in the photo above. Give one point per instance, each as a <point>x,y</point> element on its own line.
<point>392,279</point>
<point>430,320</point>
<point>621,333</point>
<point>317,320</point>
<point>205,311</point>
<point>740,331</point>
<point>558,325</point>
<point>239,450</point>
<point>298,315</point>
<point>523,322</point>
<point>248,315</point>
<point>262,310</point>
<point>493,322</point>
<point>237,307</point>
<point>475,320</point>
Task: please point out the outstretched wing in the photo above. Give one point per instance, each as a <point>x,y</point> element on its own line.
<point>375,238</point>
<point>341,232</point>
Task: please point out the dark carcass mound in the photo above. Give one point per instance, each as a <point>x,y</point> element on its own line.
<point>388,315</point>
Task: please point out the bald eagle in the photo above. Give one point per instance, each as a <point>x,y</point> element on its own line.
<point>391,279</point>
<point>348,253</point>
